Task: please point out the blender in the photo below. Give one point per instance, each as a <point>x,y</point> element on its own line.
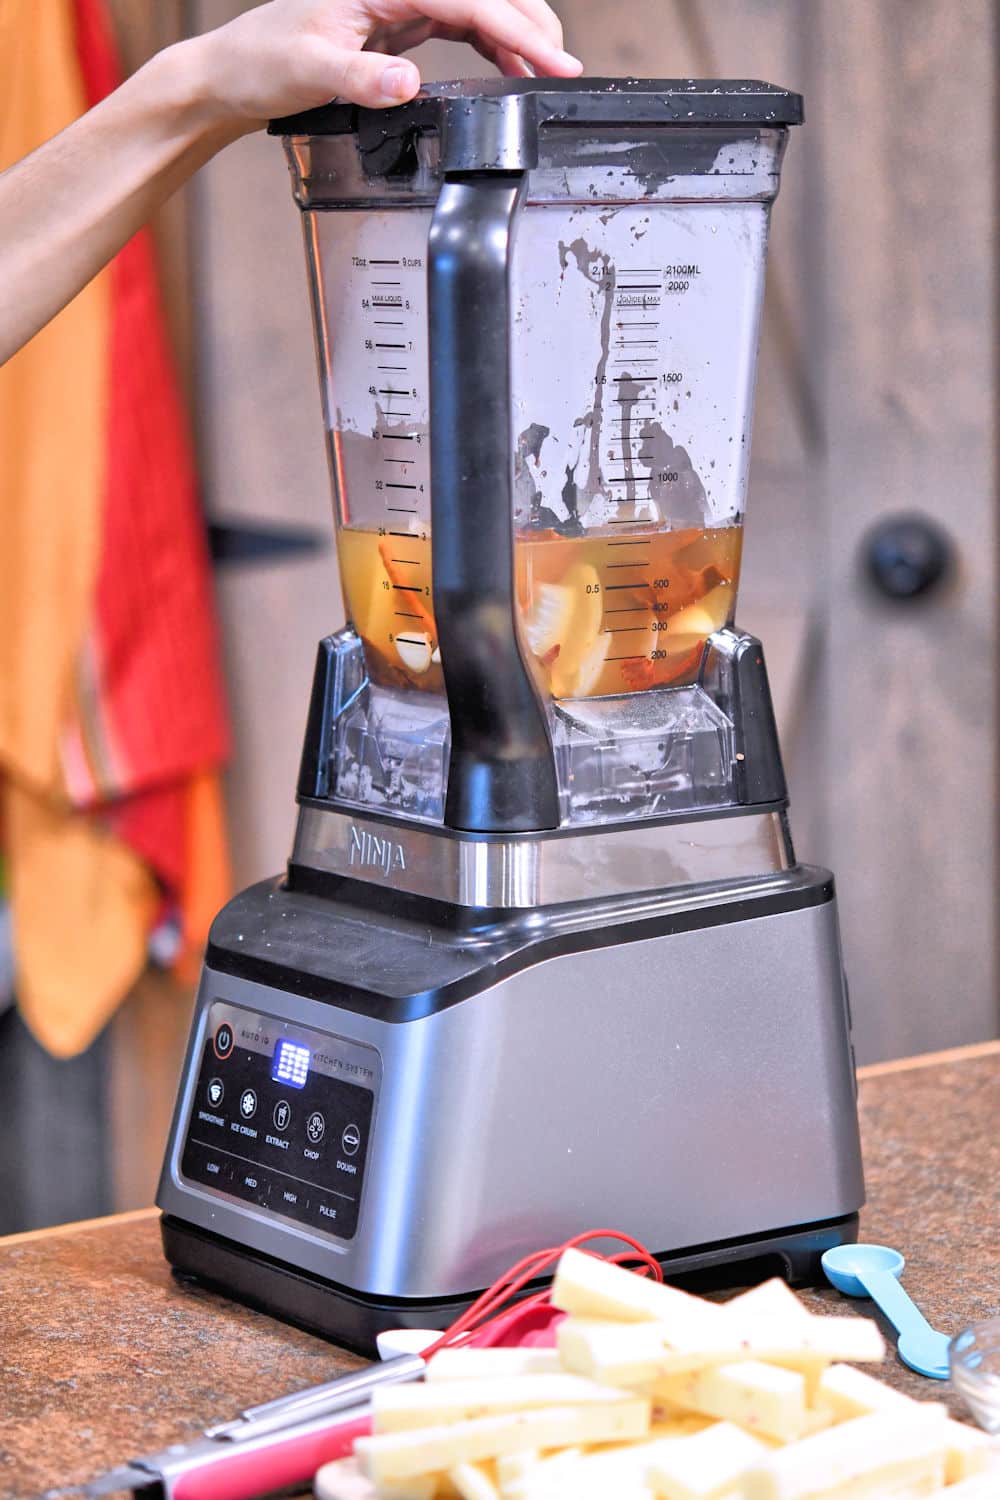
<point>543,956</point>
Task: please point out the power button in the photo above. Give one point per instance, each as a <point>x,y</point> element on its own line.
<point>223,1040</point>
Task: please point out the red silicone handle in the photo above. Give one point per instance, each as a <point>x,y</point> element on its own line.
<point>242,1475</point>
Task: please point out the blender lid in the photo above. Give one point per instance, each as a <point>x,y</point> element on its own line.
<point>493,123</point>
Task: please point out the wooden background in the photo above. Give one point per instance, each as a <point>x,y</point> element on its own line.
<point>877,393</point>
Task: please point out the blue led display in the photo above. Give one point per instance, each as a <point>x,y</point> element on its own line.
<point>291,1064</point>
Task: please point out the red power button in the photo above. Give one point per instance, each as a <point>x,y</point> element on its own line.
<point>223,1041</point>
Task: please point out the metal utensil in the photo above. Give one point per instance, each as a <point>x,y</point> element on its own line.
<point>265,1448</point>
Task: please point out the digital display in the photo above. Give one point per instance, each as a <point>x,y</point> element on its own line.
<point>291,1064</point>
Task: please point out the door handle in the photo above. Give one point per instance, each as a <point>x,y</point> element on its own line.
<point>907,556</point>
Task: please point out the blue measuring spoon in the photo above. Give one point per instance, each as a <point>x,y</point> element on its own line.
<point>874,1271</point>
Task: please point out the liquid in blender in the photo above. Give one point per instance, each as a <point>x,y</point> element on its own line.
<point>603,613</point>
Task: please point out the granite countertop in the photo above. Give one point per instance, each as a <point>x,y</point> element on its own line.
<point>104,1357</point>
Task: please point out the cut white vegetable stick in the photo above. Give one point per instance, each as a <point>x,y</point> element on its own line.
<point>344,1480</point>
<point>398,1455</point>
<point>592,1288</point>
<point>472,1482</point>
<point>756,1396</point>
<point>626,1353</point>
<point>771,1299</point>
<point>980,1487</point>
<point>398,1408</point>
<point>967,1452</point>
<point>846,1392</point>
<point>513,1469</point>
<point>886,1448</point>
<point>476,1364</point>
<point>798,1345</point>
<point>706,1466</point>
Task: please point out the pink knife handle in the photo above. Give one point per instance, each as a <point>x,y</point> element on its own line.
<point>244,1474</point>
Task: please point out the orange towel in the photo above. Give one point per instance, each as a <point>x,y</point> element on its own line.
<point>111,718</point>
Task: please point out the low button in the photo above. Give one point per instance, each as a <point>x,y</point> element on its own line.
<point>315,1127</point>
<point>248,1104</point>
<point>351,1140</point>
<point>216,1092</point>
<point>282,1114</point>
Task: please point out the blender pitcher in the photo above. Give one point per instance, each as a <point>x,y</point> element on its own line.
<point>537,306</point>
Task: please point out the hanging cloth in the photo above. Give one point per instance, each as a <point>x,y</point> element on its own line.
<point>112,722</point>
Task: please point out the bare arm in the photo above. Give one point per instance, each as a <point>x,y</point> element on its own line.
<point>70,206</point>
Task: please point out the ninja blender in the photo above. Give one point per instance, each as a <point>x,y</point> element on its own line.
<point>543,956</point>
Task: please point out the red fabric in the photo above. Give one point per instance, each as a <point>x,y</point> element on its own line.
<point>160,700</point>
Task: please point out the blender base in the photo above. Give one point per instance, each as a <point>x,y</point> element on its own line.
<point>354,1320</point>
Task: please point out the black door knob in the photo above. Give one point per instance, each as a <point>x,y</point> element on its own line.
<point>907,555</point>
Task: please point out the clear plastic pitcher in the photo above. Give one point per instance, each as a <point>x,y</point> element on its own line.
<point>634,279</point>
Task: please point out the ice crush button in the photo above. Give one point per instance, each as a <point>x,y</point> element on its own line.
<point>248,1104</point>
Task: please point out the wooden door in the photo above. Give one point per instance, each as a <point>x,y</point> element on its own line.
<point>877,394</point>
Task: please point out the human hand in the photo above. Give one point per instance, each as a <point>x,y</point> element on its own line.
<point>290,55</point>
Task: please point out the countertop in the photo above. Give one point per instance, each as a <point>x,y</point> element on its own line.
<point>104,1357</point>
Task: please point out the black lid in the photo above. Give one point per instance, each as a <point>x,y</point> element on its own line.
<point>564,101</point>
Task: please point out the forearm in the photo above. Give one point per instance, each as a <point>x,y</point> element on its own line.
<point>70,206</point>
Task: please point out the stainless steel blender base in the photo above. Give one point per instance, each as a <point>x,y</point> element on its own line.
<point>686,1076</point>
<point>337,1313</point>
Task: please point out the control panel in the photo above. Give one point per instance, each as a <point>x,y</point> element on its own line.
<point>281,1118</point>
